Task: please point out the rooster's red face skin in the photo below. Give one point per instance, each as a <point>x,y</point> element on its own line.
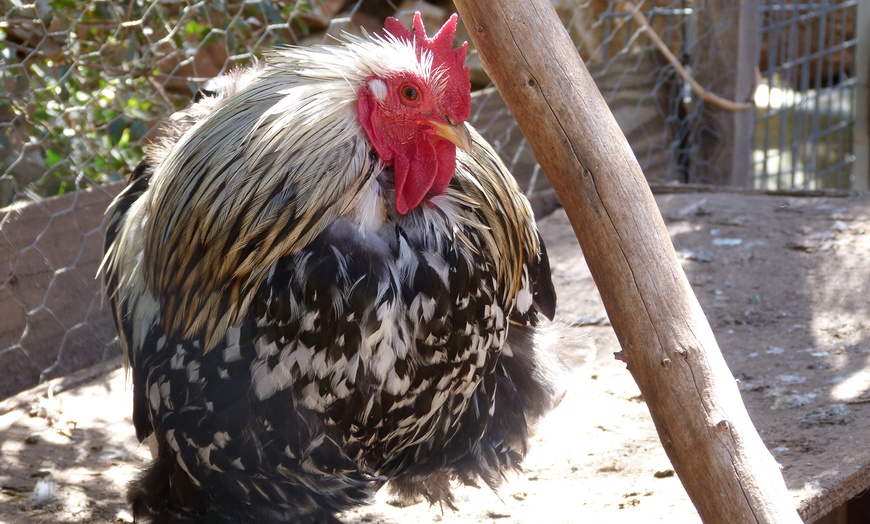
<point>400,115</point>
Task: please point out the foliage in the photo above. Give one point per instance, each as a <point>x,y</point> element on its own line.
<point>82,84</point>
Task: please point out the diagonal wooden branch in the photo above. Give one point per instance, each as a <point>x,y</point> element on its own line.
<point>666,340</point>
<point>703,94</point>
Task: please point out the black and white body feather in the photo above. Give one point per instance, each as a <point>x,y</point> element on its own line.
<point>294,342</point>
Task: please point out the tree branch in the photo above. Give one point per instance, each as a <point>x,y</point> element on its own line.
<point>666,341</point>
<point>699,90</point>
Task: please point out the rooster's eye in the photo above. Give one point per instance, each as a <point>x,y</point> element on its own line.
<point>410,93</point>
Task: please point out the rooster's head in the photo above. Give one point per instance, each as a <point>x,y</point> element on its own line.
<point>414,115</point>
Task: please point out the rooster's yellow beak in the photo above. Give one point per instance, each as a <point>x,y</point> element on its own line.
<point>456,133</point>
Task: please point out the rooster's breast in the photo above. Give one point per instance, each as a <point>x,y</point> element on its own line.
<point>362,351</point>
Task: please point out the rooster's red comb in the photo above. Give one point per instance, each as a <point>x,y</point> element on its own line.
<point>440,45</point>
<point>444,55</point>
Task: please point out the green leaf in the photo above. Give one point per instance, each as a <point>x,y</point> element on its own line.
<point>41,115</point>
<point>125,139</point>
<point>116,128</point>
<point>63,4</point>
<point>271,13</point>
<point>22,85</point>
<point>194,28</point>
<point>303,26</point>
<point>138,129</point>
<point>52,158</point>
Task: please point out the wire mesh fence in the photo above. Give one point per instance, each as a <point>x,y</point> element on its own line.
<point>84,85</point>
<point>807,97</point>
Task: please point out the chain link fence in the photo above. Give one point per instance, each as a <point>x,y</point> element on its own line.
<point>83,86</point>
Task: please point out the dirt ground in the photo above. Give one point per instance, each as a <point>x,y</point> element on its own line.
<point>783,281</point>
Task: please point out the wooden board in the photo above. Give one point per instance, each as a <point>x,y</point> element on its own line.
<point>52,316</point>
<point>784,283</point>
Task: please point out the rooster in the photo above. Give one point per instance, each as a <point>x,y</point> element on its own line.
<point>325,281</point>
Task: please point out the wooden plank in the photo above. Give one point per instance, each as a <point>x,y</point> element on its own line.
<point>724,62</point>
<point>53,319</point>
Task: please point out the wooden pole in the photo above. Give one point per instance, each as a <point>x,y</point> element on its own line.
<point>861,169</point>
<point>666,340</point>
<point>725,61</point>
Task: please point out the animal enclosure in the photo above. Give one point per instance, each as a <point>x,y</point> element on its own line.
<point>85,86</point>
